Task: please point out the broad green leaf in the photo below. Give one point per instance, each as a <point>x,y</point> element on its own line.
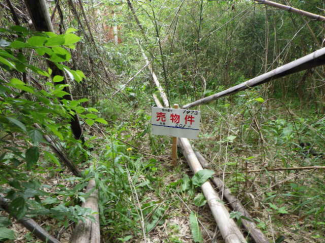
<point>16,81</point>
<point>186,184</point>
<point>101,120</point>
<point>25,88</point>
<point>199,200</point>
<point>17,123</point>
<point>260,99</point>
<point>52,158</point>
<point>91,116</point>
<point>71,39</point>
<point>18,207</point>
<point>6,234</point>
<point>19,28</point>
<point>36,41</point>
<point>4,221</point>
<point>90,122</point>
<point>126,238</point>
<point>202,176</point>
<point>42,50</point>
<point>36,136</point>
<point>195,229</point>
<point>18,44</point>
<point>31,156</point>
<point>61,52</point>
<point>59,93</point>
<point>58,78</point>
<point>7,63</point>
<point>55,41</point>
<point>71,30</point>
<point>50,200</point>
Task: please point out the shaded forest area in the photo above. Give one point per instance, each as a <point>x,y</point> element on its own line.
<point>78,161</point>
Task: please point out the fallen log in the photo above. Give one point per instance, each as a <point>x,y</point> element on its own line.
<point>314,59</point>
<point>30,224</point>
<point>249,225</point>
<point>88,231</point>
<point>291,9</point>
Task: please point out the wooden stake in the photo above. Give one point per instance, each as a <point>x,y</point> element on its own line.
<point>174,145</point>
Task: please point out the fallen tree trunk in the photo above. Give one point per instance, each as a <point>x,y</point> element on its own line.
<point>88,231</point>
<point>314,59</point>
<point>291,9</point>
<point>30,224</point>
<point>250,226</point>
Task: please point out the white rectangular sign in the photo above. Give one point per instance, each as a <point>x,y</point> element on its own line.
<point>175,122</point>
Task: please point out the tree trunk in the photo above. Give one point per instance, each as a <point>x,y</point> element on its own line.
<point>41,20</point>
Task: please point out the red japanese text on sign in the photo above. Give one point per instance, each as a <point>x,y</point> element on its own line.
<point>175,118</point>
<point>161,116</point>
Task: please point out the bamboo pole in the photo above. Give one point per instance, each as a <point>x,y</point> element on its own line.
<point>250,226</point>
<point>174,144</point>
<point>228,228</point>
<point>314,59</point>
<point>283,169</point>
<point>291,9</point>
<point>30,224</point>
<point>154,77</point>
<point>88,231</point>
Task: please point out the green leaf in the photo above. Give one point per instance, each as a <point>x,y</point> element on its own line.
<point>58,78</point>
<point>19,28</point>
<point>202,176</point>
<point>91,116</point>
<point>186,184</point>
<point>18,44</point>
<point>18,207</point>
<point>199,200</point>
<point>42,50</point>
<point>71,39</point>
<point>31,156</point>
<point>195,229</point>
<point>71,30</point>
<point>16,81</point>
<point>4,221</point>
<point>101,120</point>
<point>55,41</point>
<point>17,123</point>
<point>126,238</point>
<point>36,136</point>
<point>60,54</point>
<point>36,41</point>
<point>7,63</point>
<point>260,99</point>
<point>90,122</point>
<point>6,234</point>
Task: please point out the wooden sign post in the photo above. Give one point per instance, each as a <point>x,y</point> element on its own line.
<point>176,123</point>
<point>174,144</point>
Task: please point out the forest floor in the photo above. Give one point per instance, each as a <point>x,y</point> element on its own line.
<point>159,200</point>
